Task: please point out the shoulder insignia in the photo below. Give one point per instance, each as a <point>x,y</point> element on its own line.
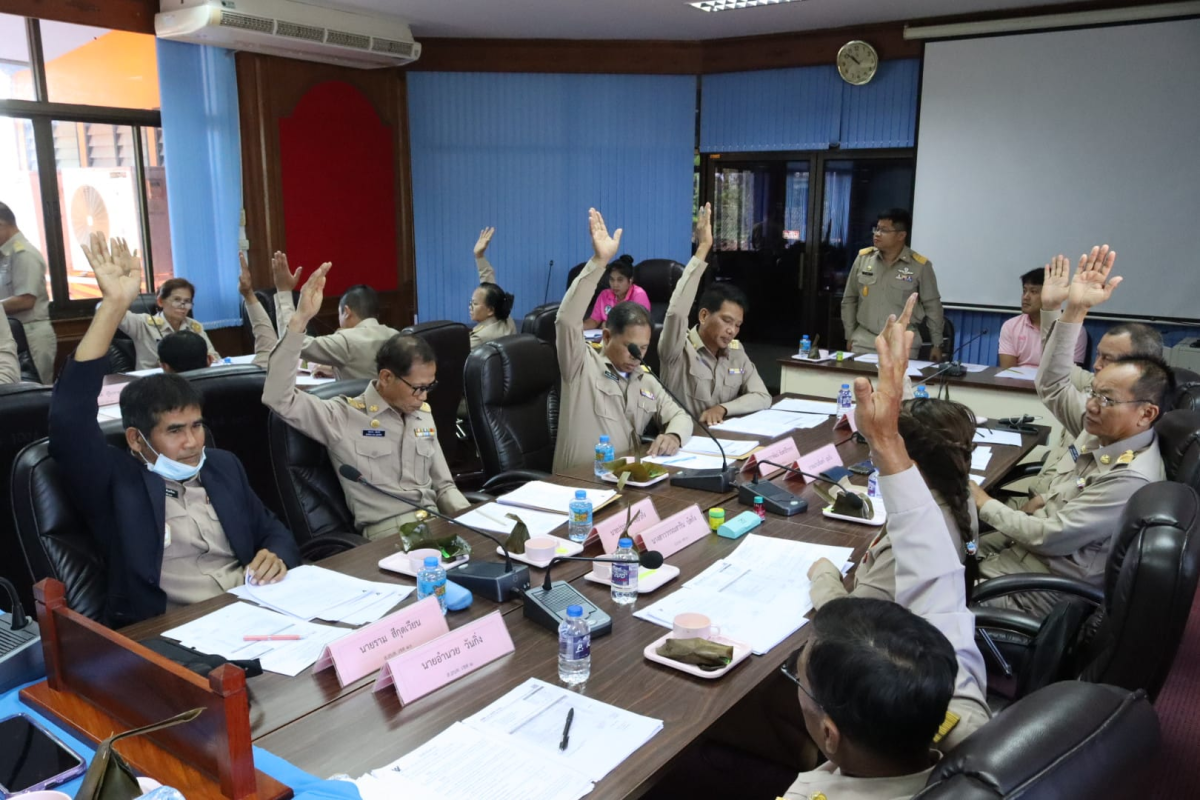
<point>197,327</point>
<point>1126,457</point>
<point>947,725</point>
<point>18,247</point>
<point>920,259</point>
<point>735,345</point>
<point>645,368</point>
<point>354,402</point>
<point>866,250</point>
<point>151,321</point>
<point>425,407</point>
<point>1105,459</point>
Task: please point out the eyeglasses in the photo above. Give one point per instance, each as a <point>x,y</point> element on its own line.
<point>419,389</point>
<point>885,230</point>
<point>175,303</point>
<point>1107,402</point>
<point>790,667</point>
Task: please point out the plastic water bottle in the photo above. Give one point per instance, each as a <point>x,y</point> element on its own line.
<point>843,401</point>
<point>580,525</point>
<point>574,647</point>
<point>921,392</point>
<point>758,507</point>
<point>873,484</point>
<point>604,454</point>
<point>805,347</point>
<point>625,573</point>
<point>431,580</point>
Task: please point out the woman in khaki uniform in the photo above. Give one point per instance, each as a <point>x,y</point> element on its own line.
<point>175,298</point>
<point>490,305</point>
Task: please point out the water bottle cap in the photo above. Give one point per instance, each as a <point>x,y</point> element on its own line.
<point>624,541</point>
<point>757,499</point>
<point>604,439</point>
<point>580,494</point>
<point>431,561</point>
<point>845,386</point>
<point>574,611</point>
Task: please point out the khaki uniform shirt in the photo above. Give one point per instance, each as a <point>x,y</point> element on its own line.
<point>701,378</point>
<point>827,782</point>
<point>396,452</point>
<point>148,330</point>
<point>492,328</point>
<point>10,366</point>
<point>198,561</point>
<point>23,271</point>
<point>350,351</point>
<point>1089,487</point>
<point>265,337</point>
<point>596,399</point>
<point>874,291</point>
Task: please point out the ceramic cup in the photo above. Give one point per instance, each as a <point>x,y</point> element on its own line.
<point>540,549</point>
<point>694,626</point>
<point>416,558</point>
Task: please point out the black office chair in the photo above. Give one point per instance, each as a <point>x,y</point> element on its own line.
<point>29,370</point>
<point>267,298</point>
<point>1124,633</point>
<point>451,343</point>
<point>1179,443</point>
<point>540,322</point>
<point>122,356</point>
<point>658,276</point>
<point>313,504</point>
<point>512,403</point>
<point>948,339</point>
<point>573,273</point>
<point>24,418</point>
<point>1186,394</point>
<point>1071,739</point>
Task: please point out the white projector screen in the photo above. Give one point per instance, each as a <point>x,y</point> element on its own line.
<point>1048,143</point>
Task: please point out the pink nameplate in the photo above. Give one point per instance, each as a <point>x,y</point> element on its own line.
<point>847,421</point>
<point>364,651</point>
<point>111,394</point>
<point>676,532</point>
<point>782,452</point>
<point>818,460</point>
<point>430,666</point>
<point>609,529</point>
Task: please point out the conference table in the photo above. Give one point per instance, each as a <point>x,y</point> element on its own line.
<point>326,729</point>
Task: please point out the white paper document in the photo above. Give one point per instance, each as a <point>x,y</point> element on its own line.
<point>770,423</point>
<point>826,407</point>
<point>682,460</point>
<point>758,595</point>
<point>1019,373</point>
<point>494,517</point>
<point>543,496</point>
<point>734,448</point>
<point>246,359</point>
<point>310,592</point>
<point>973,367</point>
<point>221,633</point>
<point>989,436</point>
<point>980,479</point>
<point>980,458</point>
<point>308,381</point>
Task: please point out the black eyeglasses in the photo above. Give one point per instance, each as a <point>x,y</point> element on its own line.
<point>790,669</point>
<point>420,389</point>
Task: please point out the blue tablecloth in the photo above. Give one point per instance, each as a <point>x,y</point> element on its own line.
<point>304,785</point>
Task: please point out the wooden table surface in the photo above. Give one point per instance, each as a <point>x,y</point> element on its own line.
<point>854,368</point>
<point>325,729</point>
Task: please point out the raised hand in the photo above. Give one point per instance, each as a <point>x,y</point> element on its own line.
<point>311,297</point>
<point>117,271</point>
<point>1057,283</point>
<point>485,238</point>
<point>285,280</point>
<point>878,410</point>
<point>605,246</point>
<point>704,233</point>
<point>1092,285</point>
<point>245,285</point>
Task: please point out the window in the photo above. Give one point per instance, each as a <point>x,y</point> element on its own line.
<point>81,149</point>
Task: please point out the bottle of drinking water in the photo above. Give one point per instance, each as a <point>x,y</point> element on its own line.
<point>873,484</point>
<point>580,525</point>
<point>843,401</point>
<point>604,454</point>
<point>574,647</point>
<point>431,580</point>
<point>921,392</point>
<point>625,573</point>
<point>805,347</point>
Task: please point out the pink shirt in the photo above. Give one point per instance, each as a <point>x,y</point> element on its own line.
<point>606,301</point>
<point>1021,338</point>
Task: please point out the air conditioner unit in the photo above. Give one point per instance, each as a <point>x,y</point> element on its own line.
<point>291,29</point>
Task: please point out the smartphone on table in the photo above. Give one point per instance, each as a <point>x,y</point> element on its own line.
<point>32,757</point>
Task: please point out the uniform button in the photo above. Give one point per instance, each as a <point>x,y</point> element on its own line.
<point>374,423</point>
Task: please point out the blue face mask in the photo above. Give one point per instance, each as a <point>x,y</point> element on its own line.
<point>170,469</point>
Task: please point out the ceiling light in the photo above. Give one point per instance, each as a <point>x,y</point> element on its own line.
<point>729,5</point>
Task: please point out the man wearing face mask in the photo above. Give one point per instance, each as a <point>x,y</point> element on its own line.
<point>387,432</point>
<point>176,523</point>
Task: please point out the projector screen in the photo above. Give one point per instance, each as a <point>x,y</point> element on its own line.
<point>1048,143</point>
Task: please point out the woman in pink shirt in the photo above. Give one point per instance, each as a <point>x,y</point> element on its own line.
<point>620,288</point>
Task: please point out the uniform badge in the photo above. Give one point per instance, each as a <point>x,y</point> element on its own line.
<point>424,433</point>
<point>647,395</point>
<point>373,409</point>
<point>1105,459</point>
<point>738,371</point>
<point>369,432</point>
<point>425,407</point>
<point>610,375</point>
<point>1080,483</point>
<point>865,290</point>
<point>1126,457</point>
<point>906,272</point>
<point>645,368</point>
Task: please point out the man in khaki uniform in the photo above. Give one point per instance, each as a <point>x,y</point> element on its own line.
<point>351,350</point>
<point>265,336</point>
<point>387,432</point>
<point>1067,531</point>
<point>881,280</point>
<point>608,391</point>
<point>23,293</point>
<point>706,367</point>
<point>10,366</point>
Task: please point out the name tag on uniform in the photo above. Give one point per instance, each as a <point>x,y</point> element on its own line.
<point>1074,453</point>
<point>646,394</point>
<point>608,374</point>
<point>424,433</point>
<point>172,493</point>
<point>733,371</point>
<point>370,432</point>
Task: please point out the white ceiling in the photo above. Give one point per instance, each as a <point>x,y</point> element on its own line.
<point>651,19</point>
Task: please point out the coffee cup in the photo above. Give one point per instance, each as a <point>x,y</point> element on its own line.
<point>416,558</point>
<point>541,548</point>
<point>694,626</point>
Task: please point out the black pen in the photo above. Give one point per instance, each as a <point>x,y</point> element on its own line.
<point>566,731</point>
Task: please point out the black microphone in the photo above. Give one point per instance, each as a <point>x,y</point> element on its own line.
<point>651,559</point>
<point>854,500</point>
<point>549,272</point>
<point>954,369</point>
<point>706,480</point>
<point>496,582</point>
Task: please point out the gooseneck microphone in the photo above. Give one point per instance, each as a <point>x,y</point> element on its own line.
<point>651,559</point>
<point>845,501</point>
<point>547,604</point>
<point>496,582</point>
<point>705,480</point>
<point>549,272</point>
<point>953,367</point>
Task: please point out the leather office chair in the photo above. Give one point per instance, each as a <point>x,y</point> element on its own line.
<point>1125,632</point>
<point>313,504</point>
<point>658,276</point>
<point>948,339</point>
<point>267,298</point>
<point>1186,394</point>
<point>122,356</point>
<point>512,403</point>
<point>1179,443</point>
<point>451,343</point>
<point>573,273</point>
<point>24,418</point>
<point>54,539</point>
<point>1070,739</point>
<point>540,322</point>
<point>29,370</point>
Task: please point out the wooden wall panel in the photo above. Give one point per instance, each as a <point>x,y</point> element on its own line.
<point>121,15</point>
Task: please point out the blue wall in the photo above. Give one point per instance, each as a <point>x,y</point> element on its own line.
<point>808,108</point>
<point>529,154</point>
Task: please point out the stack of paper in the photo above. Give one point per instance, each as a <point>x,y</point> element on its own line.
<point>989,436</point>
<point>758,595</point>
<point>1019,373</point>
<point>509,751</point>
<point>309,592</point>
<point>494,517</point>
<point>770,423</point>
<point>734,448</point>
<point>686,460</point>
<point>826,407</point>
<point>221,634</point>
<point>542,496</point>
<point>980,458</point>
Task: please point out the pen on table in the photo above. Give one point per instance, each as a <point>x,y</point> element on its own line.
<point>282,637</point>
<point>566,731</point>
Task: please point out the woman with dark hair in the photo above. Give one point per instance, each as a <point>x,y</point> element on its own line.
<point>490,305</point>
<point>175,298</point>
<point>620,289</point>
<point>938,435</point>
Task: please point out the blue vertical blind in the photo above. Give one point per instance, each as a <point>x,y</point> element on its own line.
<point>203,155</point>
<point>529,154</point>
<point>809,108</point>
